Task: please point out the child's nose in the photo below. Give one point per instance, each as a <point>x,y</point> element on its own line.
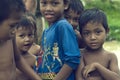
<point>93,36</point>
<point>27,38</point>
<point>48,7</point>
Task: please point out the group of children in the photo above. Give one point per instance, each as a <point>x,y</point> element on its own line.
<point>71,47</point>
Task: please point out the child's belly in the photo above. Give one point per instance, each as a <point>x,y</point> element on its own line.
<point>7,62</point>
<point>7,69</point>
<point>7,74</point>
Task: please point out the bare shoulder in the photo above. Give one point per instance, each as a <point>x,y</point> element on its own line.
<point>111,55</point>
<point>113,64</point>
<point>30,58</point>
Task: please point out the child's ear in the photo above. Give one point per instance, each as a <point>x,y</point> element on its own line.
<point>66,5</point>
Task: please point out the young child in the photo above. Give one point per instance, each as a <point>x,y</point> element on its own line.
<point>11,12</point>
<point>60,49</point>
<point>72,14</point>
<point>96,62</point>
<point>24,34</point>
<point>35,48</point>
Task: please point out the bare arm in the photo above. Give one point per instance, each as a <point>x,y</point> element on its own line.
<point>22,65</point>
<point>79,70</point>
<point>63,73</point>
<point>111,73</point>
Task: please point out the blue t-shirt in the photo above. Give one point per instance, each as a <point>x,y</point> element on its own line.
<point>60,47</point>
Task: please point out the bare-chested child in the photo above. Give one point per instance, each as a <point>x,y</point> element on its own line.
<point>24,34</point>
<point>11,12</point>
<point>96,62</point>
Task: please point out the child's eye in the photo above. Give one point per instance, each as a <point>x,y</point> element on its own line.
<point>98,31</point>
<point>86,33</point>
<point>21,35</point>
<point>13,25</point>
<point>31,35</point>
<point>54,3</point>
<point>43,3</point>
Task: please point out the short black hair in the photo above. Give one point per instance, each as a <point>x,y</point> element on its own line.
<point>92,15</point>
<point>26,23</point>
<point>66,1</point>
<point>76,6</point>
<point>33,20</point>
<point>9,6</point>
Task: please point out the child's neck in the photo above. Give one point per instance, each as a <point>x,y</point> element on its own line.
<point>94,50</point>
<point>55,21</point>
<point>24,52</point>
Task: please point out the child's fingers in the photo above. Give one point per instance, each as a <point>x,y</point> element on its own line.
<point>86,71</point>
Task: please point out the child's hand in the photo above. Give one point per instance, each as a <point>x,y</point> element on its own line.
<point>89,68</point>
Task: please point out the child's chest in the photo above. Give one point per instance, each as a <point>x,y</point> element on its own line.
<point>101,59</point>
<point>6,53</point>
<point>50,35</point>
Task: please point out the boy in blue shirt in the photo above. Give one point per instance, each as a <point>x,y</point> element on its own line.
<point>61,52</point>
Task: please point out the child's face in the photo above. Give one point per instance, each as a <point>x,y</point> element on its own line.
<point>7,26</point>
<point>72,17</point>
<point>94,35</point>
<point>24,38</point>
<point>52,10</point>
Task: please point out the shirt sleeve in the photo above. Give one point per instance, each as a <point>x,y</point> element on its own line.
<point>70,47</point>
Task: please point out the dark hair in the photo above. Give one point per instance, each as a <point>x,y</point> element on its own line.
<point>26,23</point>
<point>76,6</point>
<point>92,15</point>
<point>32,17</point>
<point>66,1</point>
<point>7,7</point>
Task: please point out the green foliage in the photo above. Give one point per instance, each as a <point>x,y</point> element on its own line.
<point>112,10</point>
